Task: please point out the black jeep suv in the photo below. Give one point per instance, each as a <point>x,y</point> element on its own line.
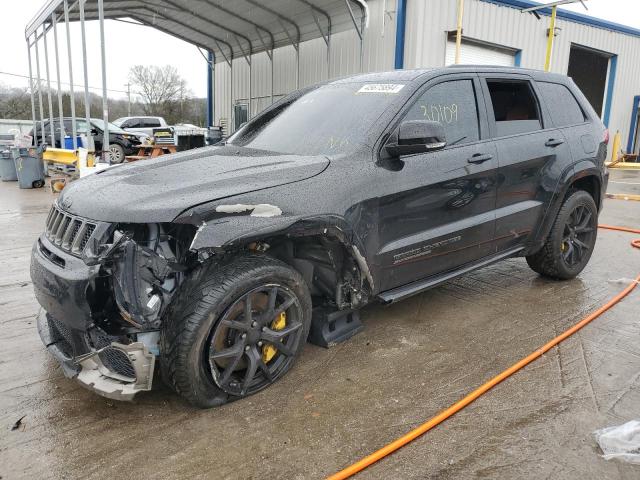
<point>218,262</point>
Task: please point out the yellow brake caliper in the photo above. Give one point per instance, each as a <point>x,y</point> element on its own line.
<point>269,351</point>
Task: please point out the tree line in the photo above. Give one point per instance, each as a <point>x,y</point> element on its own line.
<point>156,91</point>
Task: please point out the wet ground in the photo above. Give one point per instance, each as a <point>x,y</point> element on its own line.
<point>413,359</point>
<point>624,182</point>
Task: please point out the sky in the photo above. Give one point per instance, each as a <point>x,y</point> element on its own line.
<point>126,45</point>
<point>129,45</point>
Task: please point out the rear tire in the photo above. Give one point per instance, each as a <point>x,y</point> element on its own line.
<point>571,241</point>
<point>210,345</point>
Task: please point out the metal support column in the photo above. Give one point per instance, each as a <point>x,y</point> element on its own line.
<point>232,127</point>
<point>54,21</point>
<point>210,89</point>
<point>87,103</point>
<point>35,42</point>
<point>33,100</point>
<point>105,100</point>
<point>459,30</point>
<point>401,20</point>
<point>247,58</point>
<point>52,128</point>
<point>74,131</point>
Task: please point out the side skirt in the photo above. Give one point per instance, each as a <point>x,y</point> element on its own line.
<point>405,291</point>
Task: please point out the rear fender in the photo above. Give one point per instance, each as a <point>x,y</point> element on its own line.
<point>572,174</point>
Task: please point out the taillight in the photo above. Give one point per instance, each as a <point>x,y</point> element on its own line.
<point>606,136</point>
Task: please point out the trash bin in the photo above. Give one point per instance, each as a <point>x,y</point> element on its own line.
<point>28,167</point>
<point>68,142</point>
<point>7,167</point>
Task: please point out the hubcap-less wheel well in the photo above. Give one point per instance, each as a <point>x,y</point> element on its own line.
<point>328,265</point>
<point>589,184</point>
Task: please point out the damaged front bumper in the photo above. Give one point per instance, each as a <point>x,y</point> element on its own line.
<point>95,369</point>
<point>98,361</point>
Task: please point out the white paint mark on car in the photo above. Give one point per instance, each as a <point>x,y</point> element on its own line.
<point>258,210</point>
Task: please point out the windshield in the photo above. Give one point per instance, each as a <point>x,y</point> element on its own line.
<point>118,122</point>
<point>325,121</point>
<point>112,128</point>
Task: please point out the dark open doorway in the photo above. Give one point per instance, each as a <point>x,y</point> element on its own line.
<point>589,70</point>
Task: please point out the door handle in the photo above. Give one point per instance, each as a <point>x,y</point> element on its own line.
<point>479,158</point>
<point>553,142</point>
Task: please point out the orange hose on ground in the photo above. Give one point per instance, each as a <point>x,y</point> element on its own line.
<point>459,405</point>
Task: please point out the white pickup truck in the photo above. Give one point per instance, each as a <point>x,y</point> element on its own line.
<point>144,125</point>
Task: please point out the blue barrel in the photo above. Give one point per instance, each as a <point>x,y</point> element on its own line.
<point>68,142</point>
<point>7,167</point>
<point>28,167</point>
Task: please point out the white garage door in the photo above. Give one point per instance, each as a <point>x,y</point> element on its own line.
<point>475,54</point>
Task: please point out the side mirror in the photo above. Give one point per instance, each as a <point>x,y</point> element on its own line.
<point>94,131</point>
<point>417,136</point>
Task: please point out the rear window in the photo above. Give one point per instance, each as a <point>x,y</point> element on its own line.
<point>515,108</point>
<point>563,106</point>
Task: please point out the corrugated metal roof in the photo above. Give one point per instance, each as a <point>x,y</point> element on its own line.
<point>228,28</point>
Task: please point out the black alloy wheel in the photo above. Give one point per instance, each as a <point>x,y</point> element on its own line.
<point>579,233</point>
<point>255,340</point>
<point>234,329</point>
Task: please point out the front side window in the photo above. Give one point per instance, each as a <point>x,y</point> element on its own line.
<point>452,104</point>
<point>81,126</point>
<point>515,108</point>
<point>562,105</point>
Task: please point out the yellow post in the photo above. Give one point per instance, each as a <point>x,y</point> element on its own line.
<point>552,31</point>
<point>459,30</point>
<point>615,149</point>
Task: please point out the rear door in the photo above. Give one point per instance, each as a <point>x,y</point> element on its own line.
<point>528,148</point>
<point>569,117</point>
<point>436,209</point>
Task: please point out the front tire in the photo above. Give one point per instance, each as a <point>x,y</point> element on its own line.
<point>116,154</point>
<point>571,241</point>
<point>238,329</point>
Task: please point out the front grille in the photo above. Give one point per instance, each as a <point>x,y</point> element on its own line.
<point>70,342</point>
<point>67,231</point>
<point>114,359</point>
<point>117,361</point>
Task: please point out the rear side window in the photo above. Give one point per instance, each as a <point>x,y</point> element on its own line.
<point>453,104</point>
<point>515,108</point>
<point>565,109</point>
<point>151,122</point>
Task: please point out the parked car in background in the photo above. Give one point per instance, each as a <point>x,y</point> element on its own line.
<point>369,188</point>
<point>144,125</point>
<point>121,143</point>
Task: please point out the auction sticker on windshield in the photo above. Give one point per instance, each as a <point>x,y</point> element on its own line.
<point>381,88</point>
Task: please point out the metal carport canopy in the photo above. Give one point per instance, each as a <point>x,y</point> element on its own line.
<point>227,28</point>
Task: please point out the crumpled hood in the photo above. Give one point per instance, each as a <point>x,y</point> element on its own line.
<point>157,190</point>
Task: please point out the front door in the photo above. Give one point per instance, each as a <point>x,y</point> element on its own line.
<point>436,209</point>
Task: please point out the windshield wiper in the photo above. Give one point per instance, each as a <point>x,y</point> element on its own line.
<point>457,141</point>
